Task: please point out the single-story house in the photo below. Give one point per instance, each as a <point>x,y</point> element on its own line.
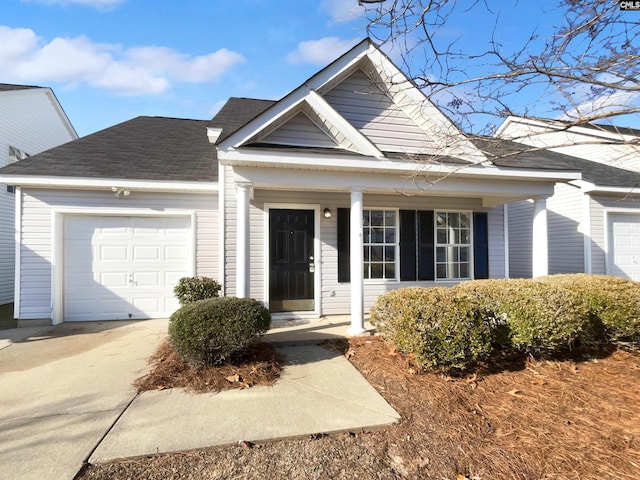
<point>593,222</point>
<point>31,121</point>
<point>349,186</point>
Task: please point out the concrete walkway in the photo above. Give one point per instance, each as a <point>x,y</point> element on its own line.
<point>66,398</point>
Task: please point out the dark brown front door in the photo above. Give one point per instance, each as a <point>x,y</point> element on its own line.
<point>291,261</point>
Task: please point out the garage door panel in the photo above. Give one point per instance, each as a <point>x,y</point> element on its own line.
<point>119,267</point>
<point>623,257</point>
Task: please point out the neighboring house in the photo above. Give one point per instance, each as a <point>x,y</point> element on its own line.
<point>351,185</point>
<point>594,222</point>
<point>31,121</point>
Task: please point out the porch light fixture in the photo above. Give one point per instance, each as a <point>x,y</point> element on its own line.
<point>327,213</point>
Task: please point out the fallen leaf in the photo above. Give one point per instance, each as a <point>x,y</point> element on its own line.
<point>461,477</point>
<point>472,379</point>
<point>515,393</point>
<point>244,444</point>
<point>350,353</point>
<point>234,378</point>
<point>539,381</point>
<point>412,371</point>
<point>393,352</point>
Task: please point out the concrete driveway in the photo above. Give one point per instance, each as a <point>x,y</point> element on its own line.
<point>62,388</point>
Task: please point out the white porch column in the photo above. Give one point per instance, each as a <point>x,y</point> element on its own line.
<point>540,247</point>
<point>243,192</point>
<point>357,258</point>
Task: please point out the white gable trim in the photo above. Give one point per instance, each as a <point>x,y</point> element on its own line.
<point>362,143</point>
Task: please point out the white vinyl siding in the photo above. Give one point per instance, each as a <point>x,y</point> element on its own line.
<point>371,111</point>
<point>30,122</point>
<point>36,248</point>
<point>495,224</point>
<point>520,235</point>
<point>300,131</point>
<point>566,230</point>
<point>565,233</point>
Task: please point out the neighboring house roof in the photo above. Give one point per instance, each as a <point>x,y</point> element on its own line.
<point>5,87</point>
<point>144,148</point>
<point>506,153</point>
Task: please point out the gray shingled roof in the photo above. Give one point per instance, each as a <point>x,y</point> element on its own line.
<point>5,87</point>
<point>505,153</point>
<point>144,148</point>
<point>236,113</point>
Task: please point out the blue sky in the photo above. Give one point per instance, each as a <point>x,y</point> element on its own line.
<point>112,60</point>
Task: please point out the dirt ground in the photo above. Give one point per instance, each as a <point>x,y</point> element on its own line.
<point>520,419</point>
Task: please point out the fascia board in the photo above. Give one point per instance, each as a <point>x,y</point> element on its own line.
<point>290,101</point>
<point>284,159</point>
<point>98,183</point>
<point>364,145</point>
<point>588,187</point>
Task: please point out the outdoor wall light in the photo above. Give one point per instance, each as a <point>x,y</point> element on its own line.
<point>327,213</point>
<point>120,191</point>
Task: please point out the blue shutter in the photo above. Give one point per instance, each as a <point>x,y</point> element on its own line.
<point>408,240</point>
<point>480,245</point>
<point>344,273</point>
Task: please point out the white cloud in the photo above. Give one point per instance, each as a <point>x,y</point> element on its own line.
<point>342,11</point>
<point>99,4</point>
<point>200,69</point>
<point>24,57</point>
<point>320,52</point>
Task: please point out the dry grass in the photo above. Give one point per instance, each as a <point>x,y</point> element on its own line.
<point>529,419</point>
<point>260,364</point>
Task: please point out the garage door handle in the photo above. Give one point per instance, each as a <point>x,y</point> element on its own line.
<point>132,281</point>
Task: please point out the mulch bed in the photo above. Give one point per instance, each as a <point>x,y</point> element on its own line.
<point>260,364</point>
<point>522,419</point>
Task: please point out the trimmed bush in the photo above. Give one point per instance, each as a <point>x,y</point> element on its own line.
<point>442,329</point>
<point>210,331</point>
<point>613,304</point>
<point>192,289</point>
<point>532,316</point>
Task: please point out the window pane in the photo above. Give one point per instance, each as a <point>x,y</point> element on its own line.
<point>442,236</point>
<point>441,254</point>
<point>464,270</point>
<point>366,271</point>
<point>377,217</point>
<point>366,253</point>
<point>441,271</point>
<point>454,220</point>
<point>452,270</point>
<point>376,254</point>
<point>465,220</point>
<point>376,270</point>
<point>390,218</point>
<point>464,236</point>
<point>390,270</point>
<point>464,254</point>
<point>454,235</point>
<point>365,218</point>
<point>377,235</point>
<point>390,235</point>
<point>389,254</point>
<point>441,220</point>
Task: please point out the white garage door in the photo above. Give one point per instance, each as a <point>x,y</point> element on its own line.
<point>118,267</point>
<point>624,246</point>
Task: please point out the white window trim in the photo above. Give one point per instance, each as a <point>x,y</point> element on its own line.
<point>384,281</point>
<point>436,245</point>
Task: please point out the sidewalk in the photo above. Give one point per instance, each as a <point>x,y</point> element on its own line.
<point>67,397</point>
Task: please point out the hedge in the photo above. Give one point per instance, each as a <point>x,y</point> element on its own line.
<point>453,328</point>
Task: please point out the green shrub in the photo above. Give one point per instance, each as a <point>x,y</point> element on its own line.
<point>210,331</point>
<point>613,304</point>
<point>531,315</point>
<point>192,289</point>
<point>443,330</point>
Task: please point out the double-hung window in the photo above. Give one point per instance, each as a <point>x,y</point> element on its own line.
<point>453,245</point>
<point>380,241</point>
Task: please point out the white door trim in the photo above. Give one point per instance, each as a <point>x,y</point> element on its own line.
<point>317,252</point>
<point>57,244</point>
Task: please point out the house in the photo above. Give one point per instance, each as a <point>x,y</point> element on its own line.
<point>31,121</point>
<point>349,186</point>
<point>594,222</point>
